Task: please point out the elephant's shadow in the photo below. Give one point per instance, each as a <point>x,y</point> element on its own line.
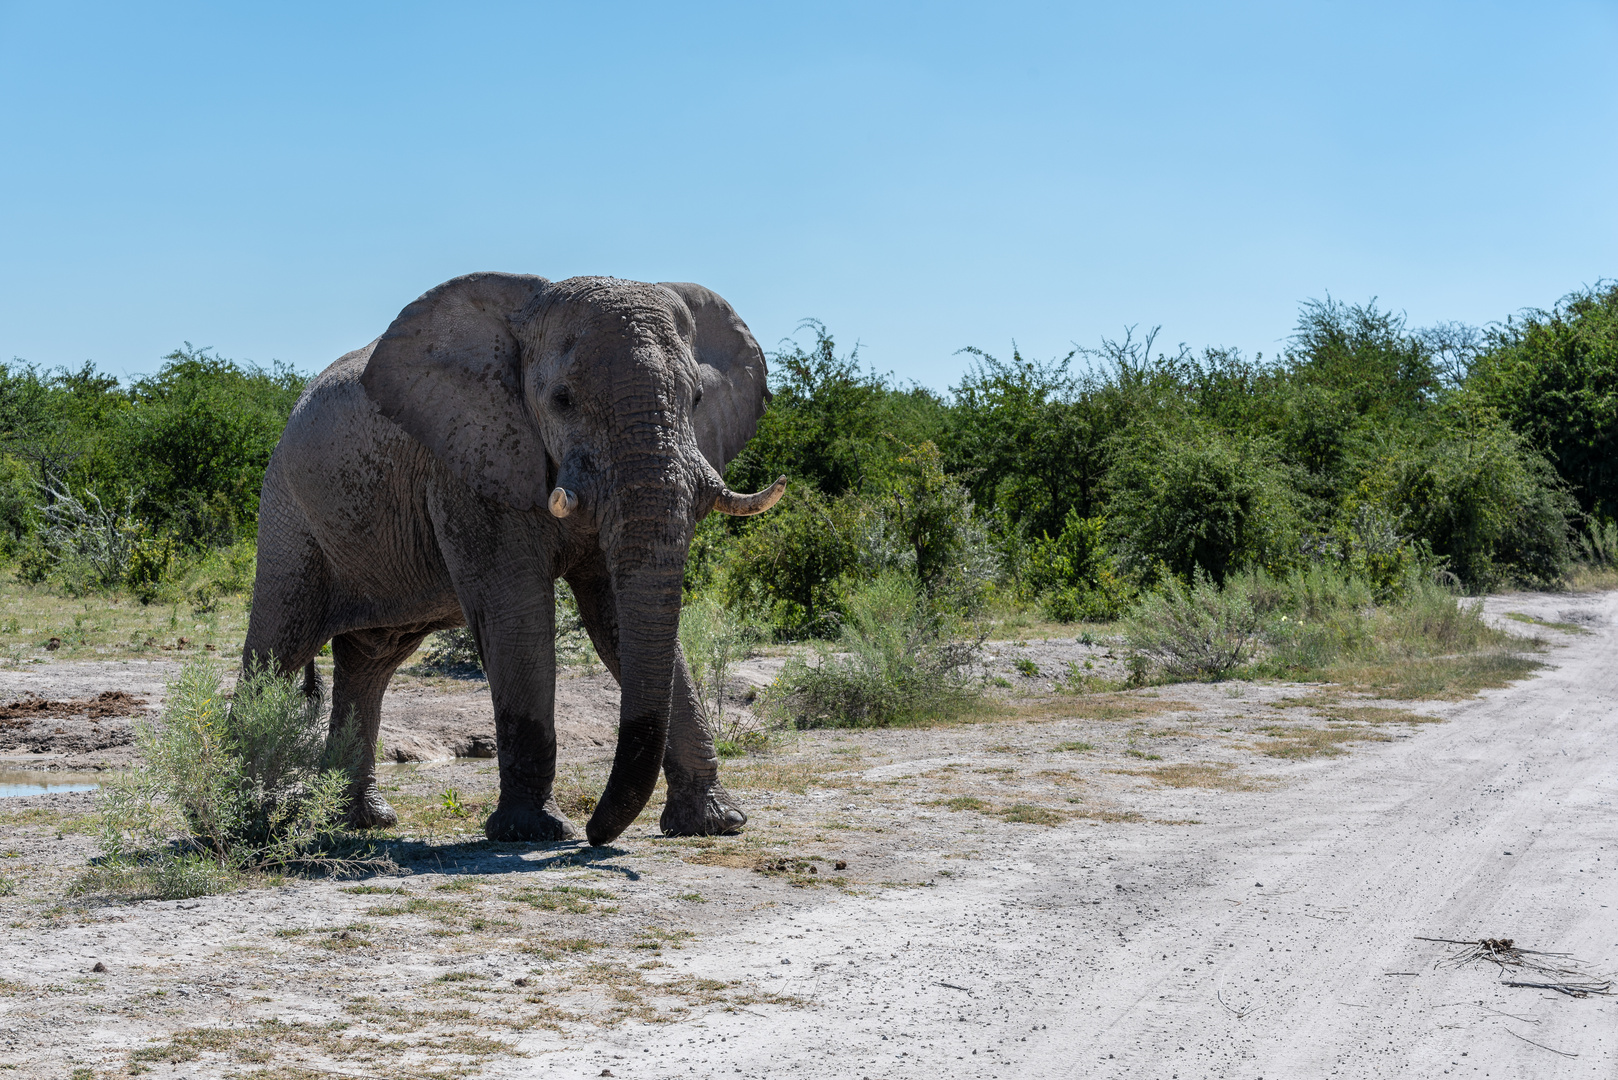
<point>486,858</point>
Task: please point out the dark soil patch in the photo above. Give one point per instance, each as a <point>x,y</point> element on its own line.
<point>108,703</point>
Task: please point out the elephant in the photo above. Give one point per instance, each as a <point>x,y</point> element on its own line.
<point>504,432</point>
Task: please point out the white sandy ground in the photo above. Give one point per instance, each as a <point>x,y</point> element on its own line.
<point>1275,939</point>
<point>1260,946</point>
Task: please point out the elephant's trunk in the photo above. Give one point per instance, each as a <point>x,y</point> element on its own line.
<point>646,550</point>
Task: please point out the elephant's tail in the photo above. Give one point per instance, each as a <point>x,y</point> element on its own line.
<point>311,681</point>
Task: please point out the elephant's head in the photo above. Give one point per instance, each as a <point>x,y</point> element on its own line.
<point>612,403</point>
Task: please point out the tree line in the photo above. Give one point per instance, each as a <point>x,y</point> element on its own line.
<point>1077,483</point>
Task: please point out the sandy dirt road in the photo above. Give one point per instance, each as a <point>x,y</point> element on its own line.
<point>1260,927</point>
<point>1266,945</point>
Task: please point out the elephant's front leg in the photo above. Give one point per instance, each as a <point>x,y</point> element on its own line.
<point>697,803</point>
<point>516,639</point>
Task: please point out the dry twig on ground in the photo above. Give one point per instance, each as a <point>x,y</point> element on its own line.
<point>1561,971</point>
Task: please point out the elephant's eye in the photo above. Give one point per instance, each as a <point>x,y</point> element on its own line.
<point>696,399</point>
<point>562,398</point>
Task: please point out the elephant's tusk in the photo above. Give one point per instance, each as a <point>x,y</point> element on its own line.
<point>742,505</point>
<point>563,502</point>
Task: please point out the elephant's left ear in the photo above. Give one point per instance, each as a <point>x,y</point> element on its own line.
<point>734,391</point>
<point>448,371</point>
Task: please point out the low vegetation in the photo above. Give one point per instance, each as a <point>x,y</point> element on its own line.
<point>227,787</point>
<point>893,663</point>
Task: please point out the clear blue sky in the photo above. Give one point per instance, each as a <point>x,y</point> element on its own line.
<point>278,180</point>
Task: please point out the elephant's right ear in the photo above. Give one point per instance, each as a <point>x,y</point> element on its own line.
<point>449,371</point>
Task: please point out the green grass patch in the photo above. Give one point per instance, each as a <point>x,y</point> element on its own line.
<point>1534,620</point>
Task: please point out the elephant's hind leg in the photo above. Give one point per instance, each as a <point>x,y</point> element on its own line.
<point>364,661</point>
<point>697,803</point>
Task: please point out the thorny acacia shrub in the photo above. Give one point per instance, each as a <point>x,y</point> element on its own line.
<point>890,665</point>
<point>226,785</point>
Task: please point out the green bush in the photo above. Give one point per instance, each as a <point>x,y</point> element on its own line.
<point>227,785</point>
<point>453,652</point>
<point>90,543</point>
<point>1326,615</point>
<point>196,439</point>
<point>1197,498</point>
<point>1073,574</point>
<point>922,524</point>
<point>18,513</point>
<point>1598,543</point>
<point>831,425</point>
<point>713,639</point>
<point>1195,631</point>
<point>891,664</point>
<point>1312,616</point>
<point>793,566</point>
<point>1553,375</point>
<point>1029,438</point>
<point>1488,506</point>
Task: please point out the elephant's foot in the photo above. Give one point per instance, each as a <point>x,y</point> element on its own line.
<point>524,822</point>
<point>367,809</point>
<point>709,811</point>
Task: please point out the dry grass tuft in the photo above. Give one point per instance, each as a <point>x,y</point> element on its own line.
<point>1297,742</point>
<point>1585,577</point>
<point>1444,678</point>
<point>734,858</point>
<point>776,773</point>
<point>1110,817</point>
<point>1215,775</point>
<point>1030,814</point>
<point>1103,707</point>
<point>1373,714</point>
<point>578,789</point>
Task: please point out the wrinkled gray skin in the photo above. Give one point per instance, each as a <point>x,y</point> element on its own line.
<point>409,494</point>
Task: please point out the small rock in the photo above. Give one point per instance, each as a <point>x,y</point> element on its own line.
<point>519,982</point>
<point>53,644</point>
<point>604,1072</point>
<point>842,864</point>
<point>99,966</point>
<point>785,961</point>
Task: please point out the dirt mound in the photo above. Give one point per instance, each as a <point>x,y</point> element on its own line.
<point>421,723</point>
<point>108,703</point>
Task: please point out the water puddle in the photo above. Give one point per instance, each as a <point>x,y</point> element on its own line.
<point>14,782</point>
